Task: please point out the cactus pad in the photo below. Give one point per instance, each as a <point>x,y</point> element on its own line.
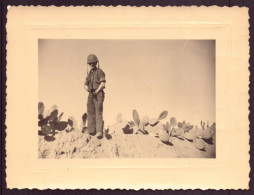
<point>43,121</point>
<point>46,129</point>
<point>189,135</point>
<point>173,121</point>
<point>61,125</point>
<point>180,125</point>
<point>199,144</point>
<point>131,124</point>
<point>213,126</point>
<point>198,132</point>
<point>136,118</point>
<point>119,118</point>
<point>41,108</point>
<point>188,128</point>
<point>163,115</point>
<point>206,134</point>
<point>53,115</point>
<point>70,122</point>
<point>164,135</point>
<point>84,117</point>
<point>177,133</point>
<point>135,129</point>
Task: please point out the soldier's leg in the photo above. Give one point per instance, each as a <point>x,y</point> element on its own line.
<point>99,111</point>
<point>91,115</point>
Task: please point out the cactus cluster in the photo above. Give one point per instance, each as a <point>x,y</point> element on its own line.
<point>49,123</point>
<point>143,125</point>
<point>182,130</point>
<point>201,135</point>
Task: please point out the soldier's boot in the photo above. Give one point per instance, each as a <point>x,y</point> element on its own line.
<point>99,135</point>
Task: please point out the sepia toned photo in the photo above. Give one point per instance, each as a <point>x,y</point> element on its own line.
<point>127,99</point>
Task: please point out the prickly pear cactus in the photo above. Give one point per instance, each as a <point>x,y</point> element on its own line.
<point>119,118</point>
<point>136,117</point>
<point>213,126</point>
<point>169,128</point>
<point>43,121</point>
<point>41,108</point>
<point>153,121</point>
<point>60,126</point>
<point>173,121</point>
<point>164,134</point>
<point>135,129</point>
<point>163,115</point>
<point>131,124</point>
<point>54,107</point>
<point>46,129</point>
<point>53,115</point>
<point>198,143</point>
<point>70,122</point>
<point>145,120</point>
<point>206,134</point>
<point>213,129</point>
<point>184,125</point>
<point>84,117</point>
<point>198,132</point>
<point>190,135</point>
<point>187,128</point>
<point>177,133</point>
<point>153,130</point>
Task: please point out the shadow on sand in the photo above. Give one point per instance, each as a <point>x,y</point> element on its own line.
<point>168,143</point>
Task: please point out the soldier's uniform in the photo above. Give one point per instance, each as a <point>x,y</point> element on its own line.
<point>95,102</point>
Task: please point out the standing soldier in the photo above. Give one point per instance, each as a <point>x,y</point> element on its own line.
<point>95,83</point>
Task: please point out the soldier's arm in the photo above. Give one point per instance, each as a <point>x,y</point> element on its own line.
<point>102,81</point>
<point>86,84</point>
<point>101,87</point>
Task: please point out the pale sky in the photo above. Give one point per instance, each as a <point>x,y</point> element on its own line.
<point>147,75</point>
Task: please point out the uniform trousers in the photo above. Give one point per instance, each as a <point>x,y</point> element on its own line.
<point>94,112</point>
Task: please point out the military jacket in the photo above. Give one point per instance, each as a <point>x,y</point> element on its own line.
<point>94,79</point>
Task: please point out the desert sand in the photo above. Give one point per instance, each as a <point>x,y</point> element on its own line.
<point>116,144</point>
<point>137,138</point>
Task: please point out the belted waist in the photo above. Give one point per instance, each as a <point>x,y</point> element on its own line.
<point>102,91</point>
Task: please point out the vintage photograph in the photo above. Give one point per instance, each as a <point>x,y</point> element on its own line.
<point>129,98</point>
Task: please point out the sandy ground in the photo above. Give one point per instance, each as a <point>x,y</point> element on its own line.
<point>76,144</point>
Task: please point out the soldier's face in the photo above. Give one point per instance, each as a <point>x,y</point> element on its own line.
<point>92,65</point>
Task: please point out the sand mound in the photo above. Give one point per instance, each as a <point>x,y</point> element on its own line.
<point>76,144</point>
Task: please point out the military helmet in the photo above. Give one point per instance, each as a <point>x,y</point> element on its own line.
<point>92,58</point>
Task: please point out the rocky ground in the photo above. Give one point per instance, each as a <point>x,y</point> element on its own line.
<point>76,144</point>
